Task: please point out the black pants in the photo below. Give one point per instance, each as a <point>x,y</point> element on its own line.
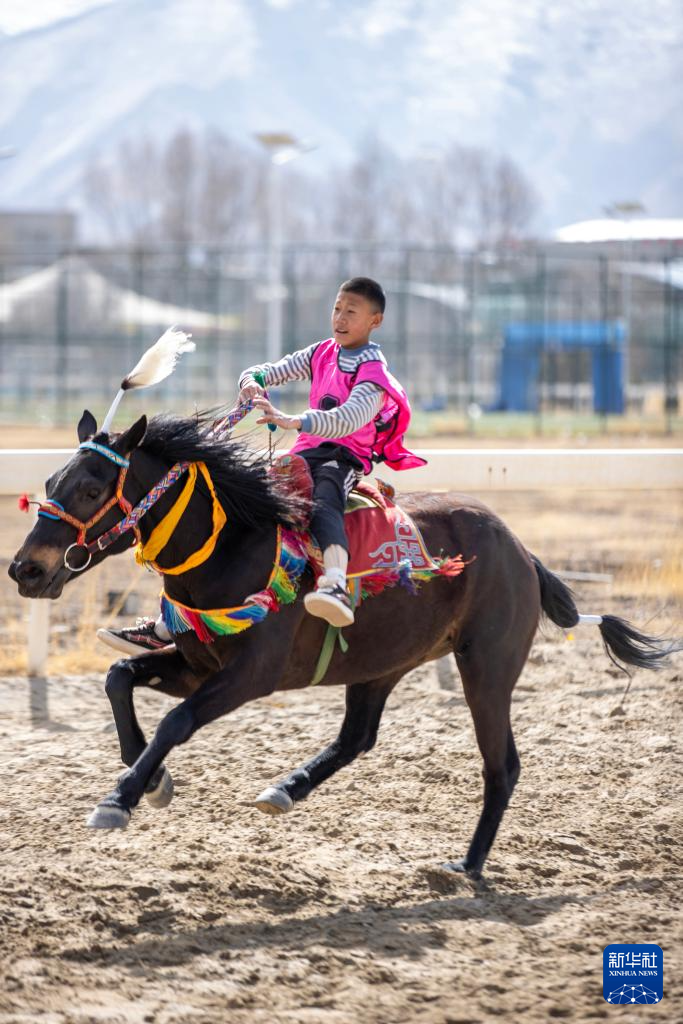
<point>334,470</point>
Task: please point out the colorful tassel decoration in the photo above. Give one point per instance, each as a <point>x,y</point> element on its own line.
<point>406,578</point>
<point>293,553</point>
<point>282,588</point>
<point>405,575</point>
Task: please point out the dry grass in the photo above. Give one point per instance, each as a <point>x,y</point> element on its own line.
<point>661,578</point>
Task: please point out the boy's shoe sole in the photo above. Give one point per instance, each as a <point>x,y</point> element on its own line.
<point>119,643</point>
<point>323,606</point>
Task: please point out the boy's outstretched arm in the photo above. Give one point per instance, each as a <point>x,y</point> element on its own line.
<point>296,366</point>
<point>362,405</point>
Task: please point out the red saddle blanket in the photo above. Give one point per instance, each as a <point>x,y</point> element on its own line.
<point>385,545</point>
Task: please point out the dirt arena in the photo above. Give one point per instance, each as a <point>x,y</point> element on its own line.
<point>209,912</point>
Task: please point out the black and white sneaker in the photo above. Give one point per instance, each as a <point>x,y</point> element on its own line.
<point>331,602</point>
<point>142,638</point>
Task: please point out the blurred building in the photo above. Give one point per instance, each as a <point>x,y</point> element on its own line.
<point>37,237</point>
<point>626,237</point>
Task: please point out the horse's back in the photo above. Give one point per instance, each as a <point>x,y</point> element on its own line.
<point>499,581</point>
<point>459,516</point>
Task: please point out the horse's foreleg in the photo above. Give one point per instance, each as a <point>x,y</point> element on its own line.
<point>364,706</point>
<point>246,678</point>
<point>122,678</point>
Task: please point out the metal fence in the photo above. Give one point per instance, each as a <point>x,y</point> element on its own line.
<point>71,328</point>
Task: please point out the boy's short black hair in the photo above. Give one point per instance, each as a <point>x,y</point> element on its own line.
<point>368,288</point>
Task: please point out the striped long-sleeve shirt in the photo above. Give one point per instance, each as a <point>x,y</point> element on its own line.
<point>363,404</point>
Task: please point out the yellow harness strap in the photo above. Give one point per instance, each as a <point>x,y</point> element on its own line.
<point>162,533</point>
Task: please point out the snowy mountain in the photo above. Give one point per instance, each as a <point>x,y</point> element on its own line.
<point>586,96</point>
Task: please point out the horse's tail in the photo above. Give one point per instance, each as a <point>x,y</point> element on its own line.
<point>623,643</point>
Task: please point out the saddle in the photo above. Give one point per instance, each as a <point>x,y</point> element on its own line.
<point>384,542</point>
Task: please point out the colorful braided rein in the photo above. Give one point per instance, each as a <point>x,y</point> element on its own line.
<point>51,509</point>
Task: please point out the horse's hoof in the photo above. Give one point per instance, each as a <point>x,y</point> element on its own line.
<point>162,794</point>
<point>274,801</point>
<point>459,867</point>
<point>108,816</point>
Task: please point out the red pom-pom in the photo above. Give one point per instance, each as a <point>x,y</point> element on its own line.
<point>24,503</point>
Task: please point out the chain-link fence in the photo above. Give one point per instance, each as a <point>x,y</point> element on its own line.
<point>538,331</point>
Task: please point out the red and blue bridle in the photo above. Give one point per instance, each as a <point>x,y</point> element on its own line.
<point>51,509</point>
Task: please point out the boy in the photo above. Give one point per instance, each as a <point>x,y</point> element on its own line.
<point>359,414</point>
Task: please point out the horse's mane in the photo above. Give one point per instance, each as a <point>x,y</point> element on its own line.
<point>239,474</point>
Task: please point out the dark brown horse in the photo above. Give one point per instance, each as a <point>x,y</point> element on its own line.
<point>487,616</point>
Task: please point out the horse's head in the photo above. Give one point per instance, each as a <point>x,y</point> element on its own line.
<point>82,504</point>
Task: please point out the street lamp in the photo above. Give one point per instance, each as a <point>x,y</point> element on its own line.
<point>281,148</point>
<point>625,209</point>
<point>624,212</point>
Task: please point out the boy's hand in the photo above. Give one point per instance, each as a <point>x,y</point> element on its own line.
<point>273,415</point>
<point>250,391</point>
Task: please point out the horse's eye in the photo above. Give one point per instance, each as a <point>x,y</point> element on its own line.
<point>94,492</point>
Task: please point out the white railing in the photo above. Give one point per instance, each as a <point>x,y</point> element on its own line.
<point>461,469</point>
<point>478,470</point>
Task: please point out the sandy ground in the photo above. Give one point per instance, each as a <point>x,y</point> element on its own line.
<point>209,912</point>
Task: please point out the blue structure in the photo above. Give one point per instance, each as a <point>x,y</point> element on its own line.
<point>526,342</point>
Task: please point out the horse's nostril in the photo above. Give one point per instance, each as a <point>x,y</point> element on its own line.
<point>28,572</point>
<point>11,572</point>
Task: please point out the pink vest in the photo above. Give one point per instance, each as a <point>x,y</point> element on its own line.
<point>382,438</point>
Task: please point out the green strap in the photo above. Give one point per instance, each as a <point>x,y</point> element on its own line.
<point>333,634</point>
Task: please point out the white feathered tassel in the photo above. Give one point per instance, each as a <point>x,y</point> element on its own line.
<point>157,363</point>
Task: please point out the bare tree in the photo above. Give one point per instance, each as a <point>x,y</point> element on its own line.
<point>516,200</point>
<point>138,188</point>
<point>361,196</point>
<point>205,189</point>
<point>439,184</point>
<point>179,187</point>
<point>192,189</point>
<point>123,193</point>
<point>460,196</point>
<point>502,199</point>
<point>98,192</point>
<point>227,188</point>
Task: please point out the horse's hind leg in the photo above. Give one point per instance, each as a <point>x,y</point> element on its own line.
<point>364,706</point>
<point>488,688</point>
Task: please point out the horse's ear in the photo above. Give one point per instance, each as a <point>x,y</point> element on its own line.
<point>87,426</point>
<point>131,438</point>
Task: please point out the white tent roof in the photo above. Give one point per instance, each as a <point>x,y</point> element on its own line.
<point>453,296</point>
<point>668,273</point>
<point>122,304</point>
<point>608,229</point>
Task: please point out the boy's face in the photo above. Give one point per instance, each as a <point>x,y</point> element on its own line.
<point>353,318</point>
